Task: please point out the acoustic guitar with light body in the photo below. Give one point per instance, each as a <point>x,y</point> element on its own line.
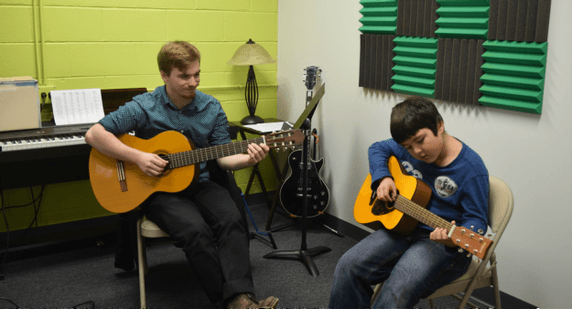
<point>408,209</point>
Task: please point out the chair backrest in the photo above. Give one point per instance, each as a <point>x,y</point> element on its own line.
<point>501,203</point>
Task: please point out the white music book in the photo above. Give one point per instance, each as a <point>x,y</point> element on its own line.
<point>267,127</point>
<point>77,106</point>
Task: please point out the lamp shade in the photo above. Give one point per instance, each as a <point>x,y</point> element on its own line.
<point>250,54</point>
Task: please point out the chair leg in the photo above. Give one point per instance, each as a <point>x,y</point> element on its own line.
<point>142,264</point>
<point>376,291</point>
<point>465,299</point>
<point>496,288</point>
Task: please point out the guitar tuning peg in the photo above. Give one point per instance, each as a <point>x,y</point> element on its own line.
<point>480,231</point>
<point>472,227</point>
<point>468,255</point>
<point>460,250</point>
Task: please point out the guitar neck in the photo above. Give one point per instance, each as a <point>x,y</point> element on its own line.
<point>190,157</point>
<point>420,214</point>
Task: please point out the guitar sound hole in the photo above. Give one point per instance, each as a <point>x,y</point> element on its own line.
<point>381,208</point>
<point>168,166</point>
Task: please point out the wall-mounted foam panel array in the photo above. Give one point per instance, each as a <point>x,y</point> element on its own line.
<point>514,75</point>
<point>379,16</point>
<point>459,64</point>
<point>376,61</point>
<point>417,18</point>
<point>488,52</point>
<point>519,20</point>
<point>463,19</point>
<point>415,65</point>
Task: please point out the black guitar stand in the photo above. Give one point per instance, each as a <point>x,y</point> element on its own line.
<point>304,254</point>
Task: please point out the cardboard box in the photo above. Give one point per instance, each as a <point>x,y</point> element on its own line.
<point>19,104</point>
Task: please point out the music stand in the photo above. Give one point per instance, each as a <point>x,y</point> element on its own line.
<point>304,254</point>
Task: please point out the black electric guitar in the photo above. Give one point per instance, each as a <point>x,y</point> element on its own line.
<point>291,192</point>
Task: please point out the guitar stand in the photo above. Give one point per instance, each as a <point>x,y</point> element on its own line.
<point>304,254</point>
<point>320,223</point>
<point>288,225</point>
<point>258,233</point>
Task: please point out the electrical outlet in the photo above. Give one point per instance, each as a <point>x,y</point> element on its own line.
<point>45,89</point>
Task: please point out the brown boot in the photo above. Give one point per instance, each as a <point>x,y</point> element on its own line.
<point>270,302</point>
<point>247,300</point>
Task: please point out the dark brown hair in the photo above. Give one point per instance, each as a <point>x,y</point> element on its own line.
<point>412,115</point>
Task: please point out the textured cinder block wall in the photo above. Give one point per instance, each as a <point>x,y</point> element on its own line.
<point>110,44</point>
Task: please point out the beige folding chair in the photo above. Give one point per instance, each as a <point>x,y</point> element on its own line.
<point>480,273</point>
<point>145,229</point>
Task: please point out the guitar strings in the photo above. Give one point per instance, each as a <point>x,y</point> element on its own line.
<point>422,214</point>
<point>204,154</point>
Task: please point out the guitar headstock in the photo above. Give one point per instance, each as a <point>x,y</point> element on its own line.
<point>312,75</point>
<point>471,241</point>
<point>285,139</point>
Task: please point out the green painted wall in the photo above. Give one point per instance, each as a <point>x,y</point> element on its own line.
<point>110,44</point>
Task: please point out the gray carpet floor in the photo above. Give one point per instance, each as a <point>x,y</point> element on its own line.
<point>86,278</point>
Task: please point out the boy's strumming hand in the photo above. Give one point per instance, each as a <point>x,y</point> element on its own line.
<point>386,191</point>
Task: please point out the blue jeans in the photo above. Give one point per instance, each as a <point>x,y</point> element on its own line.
<point>412,267</point>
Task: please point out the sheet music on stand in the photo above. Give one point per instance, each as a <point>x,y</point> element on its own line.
<point>77,106</point>
<point>267,127</point>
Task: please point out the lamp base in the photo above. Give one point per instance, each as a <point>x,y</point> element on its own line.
<point>252,119</point>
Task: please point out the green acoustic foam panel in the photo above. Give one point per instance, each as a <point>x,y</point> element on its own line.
<point>416,18</point>
<point>519,20</point>
<point>459,64</point>
<point>415,65</point>
<point>376,61</point>
<point>514,75</point>
<point>463,19</point>
<point>379,16</point>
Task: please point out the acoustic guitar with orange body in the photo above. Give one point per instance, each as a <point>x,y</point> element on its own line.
<point>408,209</point>
<point>121,186</point>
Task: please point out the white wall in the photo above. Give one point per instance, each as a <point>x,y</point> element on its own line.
<point>532,153</point>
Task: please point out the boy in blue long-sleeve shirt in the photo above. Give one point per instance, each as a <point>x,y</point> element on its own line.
<point>416,265</point>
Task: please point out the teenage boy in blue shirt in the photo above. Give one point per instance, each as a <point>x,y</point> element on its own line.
<point>414,266</point>
<point>203,217</point>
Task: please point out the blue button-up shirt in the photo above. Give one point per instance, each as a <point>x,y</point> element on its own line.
<point>203,121</point>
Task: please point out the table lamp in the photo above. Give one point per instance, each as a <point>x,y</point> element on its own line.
<point>251,54</point>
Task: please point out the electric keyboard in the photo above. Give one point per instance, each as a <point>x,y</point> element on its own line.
<point>46,137</point>
<point>47,155</point>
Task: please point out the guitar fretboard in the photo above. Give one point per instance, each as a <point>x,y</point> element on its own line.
<point>420,214</point>
<point>185,158</point>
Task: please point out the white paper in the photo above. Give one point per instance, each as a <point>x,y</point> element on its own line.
<point>268,126</point>
<point>77,106</point>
